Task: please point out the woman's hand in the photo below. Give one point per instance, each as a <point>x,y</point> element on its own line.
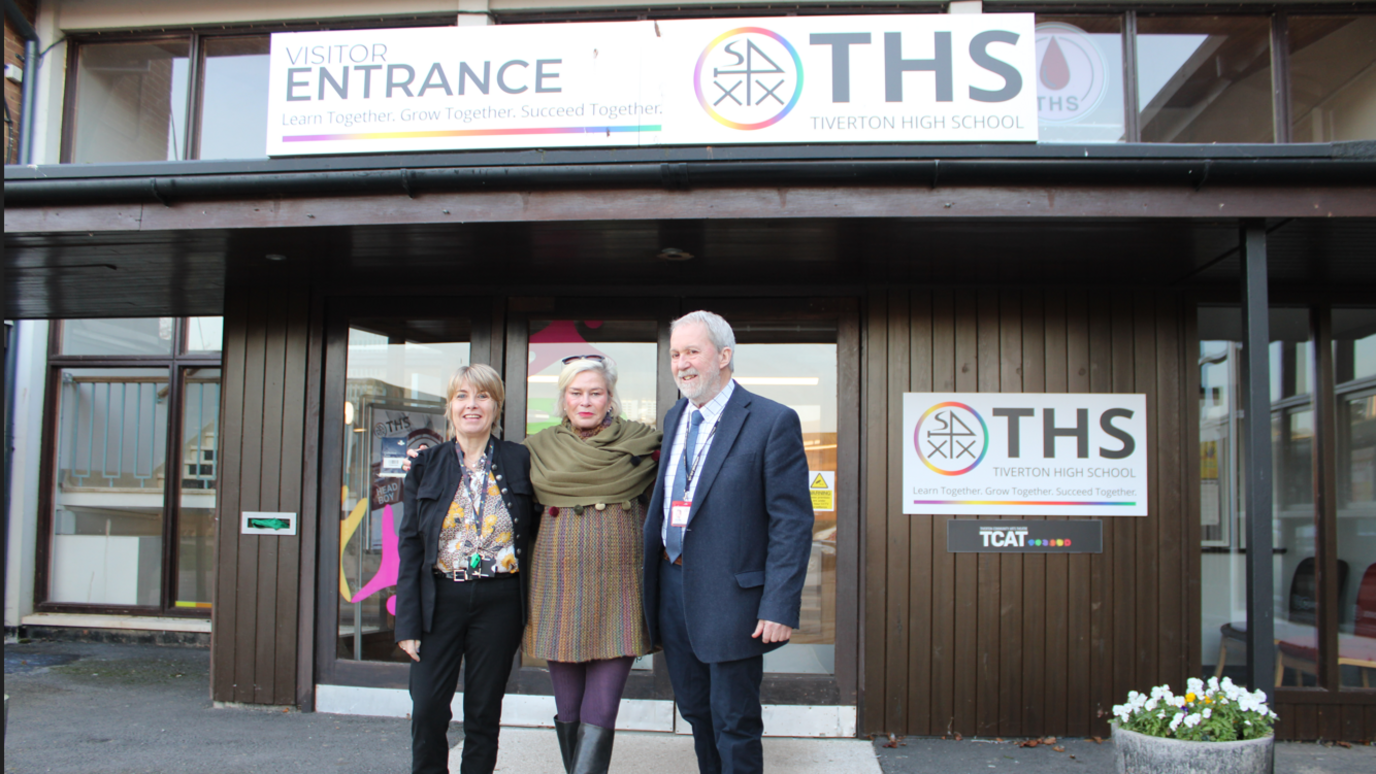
<point>412,648</point>
<point>406,463</point>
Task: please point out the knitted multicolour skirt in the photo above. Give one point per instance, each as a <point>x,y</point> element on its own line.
<point>585,584</point>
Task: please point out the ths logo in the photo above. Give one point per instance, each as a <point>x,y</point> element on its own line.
<point>748,78</point>
<point>951,438</point>
<point>1071,73</point>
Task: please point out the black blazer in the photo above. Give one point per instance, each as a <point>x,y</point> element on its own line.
<point>428,492</point>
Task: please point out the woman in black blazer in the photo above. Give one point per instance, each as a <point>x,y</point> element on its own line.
<point>465,539</point>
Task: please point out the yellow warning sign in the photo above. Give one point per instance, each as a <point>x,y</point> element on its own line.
<point>822,489</point>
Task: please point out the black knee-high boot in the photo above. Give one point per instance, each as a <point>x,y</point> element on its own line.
<point>594,753</point>
<point>568,740</point>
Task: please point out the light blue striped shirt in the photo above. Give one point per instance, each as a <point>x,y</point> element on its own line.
<point>711,415</point>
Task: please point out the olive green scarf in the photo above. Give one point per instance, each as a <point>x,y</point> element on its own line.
<point>611,467</point>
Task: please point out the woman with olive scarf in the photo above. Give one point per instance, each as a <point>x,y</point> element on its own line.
<point>590,473</point>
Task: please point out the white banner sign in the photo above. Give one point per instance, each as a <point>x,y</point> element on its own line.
<point>924,78</point>
<point>1025,454</point>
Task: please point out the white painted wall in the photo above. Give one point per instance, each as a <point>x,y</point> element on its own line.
<point>31,356</point>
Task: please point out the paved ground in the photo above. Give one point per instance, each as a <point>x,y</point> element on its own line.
<point>86,708</point>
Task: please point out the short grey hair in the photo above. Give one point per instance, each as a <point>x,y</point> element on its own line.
<point>718,331</point>
<point>606,368</point>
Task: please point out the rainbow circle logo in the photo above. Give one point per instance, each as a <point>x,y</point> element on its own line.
<point>749,69</point>
<point>956,438</point>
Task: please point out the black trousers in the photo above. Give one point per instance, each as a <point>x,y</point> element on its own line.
<point>721,700</point>
<point>477,623</point>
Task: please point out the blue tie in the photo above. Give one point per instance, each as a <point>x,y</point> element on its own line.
<point>673,536</point>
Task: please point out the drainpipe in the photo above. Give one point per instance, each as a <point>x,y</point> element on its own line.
<point>29,89</point>
<point>11,368</point>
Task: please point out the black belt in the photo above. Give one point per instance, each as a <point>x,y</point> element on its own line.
<point>462,576</point>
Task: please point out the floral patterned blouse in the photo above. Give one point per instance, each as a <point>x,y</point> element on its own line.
<point>477,539</point>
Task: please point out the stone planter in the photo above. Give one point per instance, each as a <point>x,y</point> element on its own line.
<point>1135,753</point>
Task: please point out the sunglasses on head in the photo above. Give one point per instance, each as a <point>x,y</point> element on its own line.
<point>571,358</point>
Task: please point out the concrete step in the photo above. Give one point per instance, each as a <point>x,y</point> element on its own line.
<point>535,751</point>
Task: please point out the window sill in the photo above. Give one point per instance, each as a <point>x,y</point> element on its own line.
<point>127,622</point>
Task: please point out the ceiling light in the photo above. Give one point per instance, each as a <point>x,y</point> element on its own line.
<point>674,254</point>
<point>275,257</point>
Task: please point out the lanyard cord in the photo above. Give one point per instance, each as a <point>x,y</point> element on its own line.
<point>479,500</point>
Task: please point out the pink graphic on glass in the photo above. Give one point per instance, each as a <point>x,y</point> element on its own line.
<point>390,568</point>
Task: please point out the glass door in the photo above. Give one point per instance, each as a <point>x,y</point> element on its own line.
<point>629,333</point>
<point>388,364</point>
<point>802,353</point>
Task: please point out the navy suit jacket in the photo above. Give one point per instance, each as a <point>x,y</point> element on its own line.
<point>749,535</point>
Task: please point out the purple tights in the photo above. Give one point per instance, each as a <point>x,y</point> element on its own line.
<point>589,691</point>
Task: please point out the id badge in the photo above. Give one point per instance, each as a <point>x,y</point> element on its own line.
<point>678,513</point>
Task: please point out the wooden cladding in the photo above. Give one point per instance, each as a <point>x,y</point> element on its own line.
<point>1009,645</point>
<point>265,424</point>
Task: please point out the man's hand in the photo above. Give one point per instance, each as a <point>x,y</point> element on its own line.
<point>412,648</point>
<point>772,632</point>
<point>406,463</point>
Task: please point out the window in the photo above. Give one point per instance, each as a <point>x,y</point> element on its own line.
<point>1204,79</point>
<point>169,99</point>
<point>1332,78</point>
<point>1080,78</point>
<point>132,466</point>
<point>1354,366</point>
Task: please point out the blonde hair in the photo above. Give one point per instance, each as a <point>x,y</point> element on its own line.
<point>483,378</point>
<point>604,367</point>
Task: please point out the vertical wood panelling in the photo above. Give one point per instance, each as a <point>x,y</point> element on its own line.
<point>1169,461</point>
<point>1011,643</point>
<point>896,545</point>
<point>967,653</point>
<point>1085,635</point>
<point>1147,540</point>
<point>254,653</point>
<point>224,609</point>
<point>944,659</point>
<point>307,613</point>
<point>269,489</point>
<point>290,497</point>
<point>989,592</point>
<point>874,435</point>
<point>920,538</point>
<point>1101,576</point>
<point>251,444</point>
<point>1058,673</point>
<point>1123,577</point>
<point>1033,672</point>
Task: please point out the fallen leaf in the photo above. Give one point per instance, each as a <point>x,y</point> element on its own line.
<point>893,742</point>
<point>1345,745</point>
<point>998,739</point>
<point>1030,743</point>
<point>1096,739</point>
<point>1072,757</point>
<point>1058,748</point>
<point>959,737</point>
<point>1049,740</point>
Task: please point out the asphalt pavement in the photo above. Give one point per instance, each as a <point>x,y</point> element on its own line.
<point>100,708</point>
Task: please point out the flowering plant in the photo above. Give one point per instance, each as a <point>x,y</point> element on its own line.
<point>1212,712</point>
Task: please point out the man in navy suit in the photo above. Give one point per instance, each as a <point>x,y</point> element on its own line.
<point>727,538</point>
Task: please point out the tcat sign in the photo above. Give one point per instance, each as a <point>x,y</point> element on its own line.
<point>1012,454</point>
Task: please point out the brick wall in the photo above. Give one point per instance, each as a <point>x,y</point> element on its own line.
<point>14,54</point>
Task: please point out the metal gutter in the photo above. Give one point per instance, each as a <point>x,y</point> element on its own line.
<point>43,190</point>
<point>29,91</point>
